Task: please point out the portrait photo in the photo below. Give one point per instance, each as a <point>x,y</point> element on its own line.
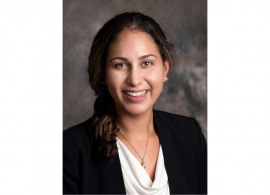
<point>135,97</point>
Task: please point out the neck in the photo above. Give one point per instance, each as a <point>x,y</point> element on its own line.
<point>135,127</point>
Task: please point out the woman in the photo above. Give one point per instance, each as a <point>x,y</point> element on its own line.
<point>127,147</point>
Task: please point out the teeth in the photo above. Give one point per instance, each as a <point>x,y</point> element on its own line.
<point>135,94</point>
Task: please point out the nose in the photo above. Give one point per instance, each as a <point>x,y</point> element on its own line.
<point>135,76</point>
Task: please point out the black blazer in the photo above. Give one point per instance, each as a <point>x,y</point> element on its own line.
<point>184,150</point>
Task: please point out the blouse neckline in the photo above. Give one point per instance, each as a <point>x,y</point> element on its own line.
<point>137,162</point>
<point>136,178</point>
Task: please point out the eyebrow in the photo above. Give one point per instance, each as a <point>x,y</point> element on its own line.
<point>141,57</point>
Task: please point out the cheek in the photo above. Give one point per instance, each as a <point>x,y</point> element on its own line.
<point>155,78</point>
<point>114,83</point>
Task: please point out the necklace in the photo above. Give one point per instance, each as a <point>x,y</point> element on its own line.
<point>143,163</point>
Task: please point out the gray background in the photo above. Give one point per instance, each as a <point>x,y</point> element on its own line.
<point>183,22</point>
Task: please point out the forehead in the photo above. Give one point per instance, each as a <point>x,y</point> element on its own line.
<point>133,42</point>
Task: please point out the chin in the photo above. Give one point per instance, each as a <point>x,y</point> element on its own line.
<point>137,109</point>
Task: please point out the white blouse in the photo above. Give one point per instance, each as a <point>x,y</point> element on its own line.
<point>136,179</point>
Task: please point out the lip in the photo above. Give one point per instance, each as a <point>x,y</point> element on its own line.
<point>135,99</point>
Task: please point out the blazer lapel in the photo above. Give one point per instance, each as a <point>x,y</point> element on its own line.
<point>171,164</point>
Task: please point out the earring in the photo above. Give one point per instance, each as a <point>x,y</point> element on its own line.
<point>166,78</point>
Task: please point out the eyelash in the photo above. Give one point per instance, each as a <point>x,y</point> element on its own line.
<point>117,65</point>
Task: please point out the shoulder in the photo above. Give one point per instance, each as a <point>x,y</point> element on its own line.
<point>182,131</point>
<point>77,136</point>
<point>179,125</point>
<point>172,119</point>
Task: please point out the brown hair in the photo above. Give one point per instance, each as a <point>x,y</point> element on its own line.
<point>103,128</point>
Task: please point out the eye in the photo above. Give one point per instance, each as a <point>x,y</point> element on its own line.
<point>120,65</point>
<point>147,63</point>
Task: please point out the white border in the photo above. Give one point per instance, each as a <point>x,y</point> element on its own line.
<point>31,97</point>
<point>238,97</point>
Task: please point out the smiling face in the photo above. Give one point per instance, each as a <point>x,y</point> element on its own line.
<point>133,66</point>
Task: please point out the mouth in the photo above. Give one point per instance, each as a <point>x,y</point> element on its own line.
<point>135,94</point>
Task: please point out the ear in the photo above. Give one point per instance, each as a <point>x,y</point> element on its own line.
<point>166,68</point>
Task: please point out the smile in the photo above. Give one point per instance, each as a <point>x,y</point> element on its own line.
<point>136,94</point>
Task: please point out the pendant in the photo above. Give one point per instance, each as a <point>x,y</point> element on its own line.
<point>143,164</point>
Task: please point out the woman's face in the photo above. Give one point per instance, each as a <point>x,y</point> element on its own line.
<point>134,72</point>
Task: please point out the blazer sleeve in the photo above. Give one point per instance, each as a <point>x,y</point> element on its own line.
<point>70,173</point>
<point>201,163</point>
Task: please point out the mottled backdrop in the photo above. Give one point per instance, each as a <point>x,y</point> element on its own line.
<point>185,24</point>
